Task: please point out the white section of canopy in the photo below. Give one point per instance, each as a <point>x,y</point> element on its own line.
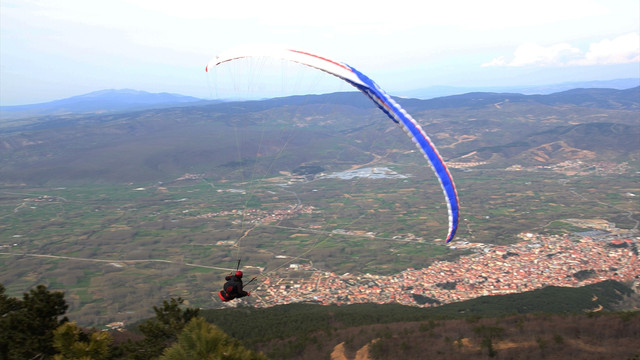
<point>329,66</point>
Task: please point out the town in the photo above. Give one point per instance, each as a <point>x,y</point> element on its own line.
<point>535,262</point>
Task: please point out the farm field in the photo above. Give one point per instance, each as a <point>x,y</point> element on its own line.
<point>117,249</point>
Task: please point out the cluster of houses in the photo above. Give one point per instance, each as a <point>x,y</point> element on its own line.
<point>535,262</point>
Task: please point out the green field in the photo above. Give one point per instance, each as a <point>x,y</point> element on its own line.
<point>116,250</point>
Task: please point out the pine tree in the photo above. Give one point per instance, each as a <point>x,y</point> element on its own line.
<point>73,344</point>
<point>161,331</point>
<point>27,325</point>
<point>201,340</point>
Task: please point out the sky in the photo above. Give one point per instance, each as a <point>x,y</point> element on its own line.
<point>53,49</point>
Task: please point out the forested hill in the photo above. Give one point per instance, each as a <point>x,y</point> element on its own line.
<point>289,320</point>
<point>299,331</point>
<point>551,322</point>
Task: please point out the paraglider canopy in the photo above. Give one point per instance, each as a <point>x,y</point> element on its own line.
<point>376,94</point>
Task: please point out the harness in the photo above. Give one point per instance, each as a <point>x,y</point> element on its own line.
<point>230,291</point>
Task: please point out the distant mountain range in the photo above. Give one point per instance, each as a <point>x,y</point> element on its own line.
<point>109,101</point>
<point>103,101</point>
<point>439,91</point>
<point>185,135</point>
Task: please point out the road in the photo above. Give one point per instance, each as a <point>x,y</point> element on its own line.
<point>116,261</point>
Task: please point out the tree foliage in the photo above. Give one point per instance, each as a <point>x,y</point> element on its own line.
<point>161,331</point>
<point>31,328</point>
<point>27,325</point>
<point>73,344</point>
<point>201,340</point>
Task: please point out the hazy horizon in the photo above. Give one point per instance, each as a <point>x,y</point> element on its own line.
<point>55,50</point>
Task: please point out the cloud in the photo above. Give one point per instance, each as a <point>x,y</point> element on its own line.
<point>535,55</point>
<point>623,49</point>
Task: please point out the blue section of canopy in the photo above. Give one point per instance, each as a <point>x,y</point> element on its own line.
<point>413,129</point>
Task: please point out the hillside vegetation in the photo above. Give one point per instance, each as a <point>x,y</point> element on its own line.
<point>527,326</point>
<point>530,321</point>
